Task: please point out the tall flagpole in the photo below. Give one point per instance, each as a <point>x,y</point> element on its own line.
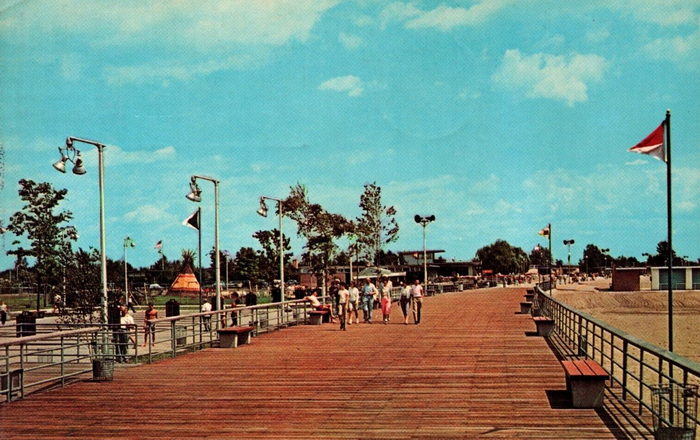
<point>667,131</point>
<point>199,251</point>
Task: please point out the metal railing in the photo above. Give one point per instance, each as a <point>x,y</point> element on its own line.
<point>60,352</point>
<point>636,367</point>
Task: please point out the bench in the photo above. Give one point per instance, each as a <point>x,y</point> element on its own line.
<point>316,317</point>
<point>544,324</point>
<point>585,380</point>
<point>529,296</point>
<point>525,307</point>
<point>231,337</point>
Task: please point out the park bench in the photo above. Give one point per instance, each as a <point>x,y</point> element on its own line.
<point>316,317</point>
<point>544,324</point>
<point>525,307</point>
<point>585,380</point>
<point>231,337</point>
<point>529,296</point>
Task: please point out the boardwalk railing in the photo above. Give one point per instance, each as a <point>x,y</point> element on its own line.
<point>637,368</point>
<point>62,352</point>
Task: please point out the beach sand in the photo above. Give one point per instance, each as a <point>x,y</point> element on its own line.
<point>642,314</point>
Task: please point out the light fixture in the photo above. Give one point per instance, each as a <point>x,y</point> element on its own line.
<point>72,155</point>
<point>262,211</point>
<point>78,167</point>
<point>195,194</point>
<point>423,220</point>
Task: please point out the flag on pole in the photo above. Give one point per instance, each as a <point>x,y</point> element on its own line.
<point>544,231</point>
<point>654,144</point>
<point>159,245</point>
<point>193,220</point>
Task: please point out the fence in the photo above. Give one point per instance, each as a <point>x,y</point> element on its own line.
<point>636,367</point>
<point>60,352</point>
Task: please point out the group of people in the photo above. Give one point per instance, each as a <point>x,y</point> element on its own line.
<point>348,300</point>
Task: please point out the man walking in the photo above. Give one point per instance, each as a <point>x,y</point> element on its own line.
<point>368,293</point>
<point>417,298</point>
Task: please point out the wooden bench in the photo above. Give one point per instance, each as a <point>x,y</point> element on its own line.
<point>529,296</point>
<point>525,307</point>
<point>316,317</point>
<point>585,380</point>
<point>544,324</point>
<point>232,337</point>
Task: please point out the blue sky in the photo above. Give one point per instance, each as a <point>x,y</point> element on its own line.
<point>496,116</point>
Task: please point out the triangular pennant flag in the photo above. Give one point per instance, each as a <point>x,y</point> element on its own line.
<point>653,144</point>
<point>192,221</point>
<point>544,231</point>
<point>159,245</point>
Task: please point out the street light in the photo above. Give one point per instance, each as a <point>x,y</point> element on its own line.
<point>605,258</point>
<point>423,220</point>
<point>128,242</point>
<point>568,244</point>
<point>227,255</point>
<point>70,154</point>
<point>195,195</point>
<point>263,212</point>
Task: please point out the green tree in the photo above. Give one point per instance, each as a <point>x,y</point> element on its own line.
<point>377,226</point>
<point>503,258</point>
<point>540,256</point>
<point>270,255</point>
<point>594,260</point>
<point>43,226</point>
<point>319,227</point>
<point>246,264</point>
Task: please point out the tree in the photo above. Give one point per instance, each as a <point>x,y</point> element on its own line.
<point>377,226</point>
<point>246,264</point>
<point>270,255</point>
<point>319,227</point>
<point>49,237</point>
<point>540,256</point>
<point>503,258</point>
<point>594,260</point>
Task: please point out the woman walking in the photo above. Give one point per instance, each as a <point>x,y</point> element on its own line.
<point>354,303</point>
<point>405,301</point>
<point>386,300</point>
<point>343,301</point>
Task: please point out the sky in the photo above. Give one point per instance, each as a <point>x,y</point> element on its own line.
<point>497,116</point>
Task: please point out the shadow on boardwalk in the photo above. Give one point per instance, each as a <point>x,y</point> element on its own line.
<point>471,369</point>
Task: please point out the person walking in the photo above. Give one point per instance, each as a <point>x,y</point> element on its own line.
<point>386,300</point>
<point>405,301</point>
<point>206,319</point>
<point>343,302</point>
<point>149,327</point>
<point>4,311</point>
<point>126,324</point>
<point>368,292</point>
<point>354,303</point>
<point>417,299</point>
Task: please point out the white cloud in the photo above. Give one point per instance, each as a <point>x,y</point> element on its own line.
<point>177,70</point>
<point>114,155</point>
<point>349,83</point>
<point>597,36</point>
<point>661,12</point>
<point>442,17</point>
<point>550,76</point>
<point>680,49</point>
<point>350,41</point>
<point>149,214</point>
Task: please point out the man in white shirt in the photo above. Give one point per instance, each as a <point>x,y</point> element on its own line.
<point>126,324</point>
<point>417,298</point>
<point>206,320</point>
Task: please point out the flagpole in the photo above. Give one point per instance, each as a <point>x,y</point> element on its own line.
<point>670,229</point>
<point>549,235</point>
<point>199,252</point>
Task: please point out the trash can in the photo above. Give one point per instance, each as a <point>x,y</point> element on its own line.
<point>172,308</point>
<point>674,408</point>
<point>26,324</point>
<point>102,370</point>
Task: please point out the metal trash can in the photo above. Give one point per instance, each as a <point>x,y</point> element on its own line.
<point>102,370</point>
<point>172,308</point>
<point>674,408</point>
<point>25,324</point>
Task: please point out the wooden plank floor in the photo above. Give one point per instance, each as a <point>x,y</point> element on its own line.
<point>469,370</point>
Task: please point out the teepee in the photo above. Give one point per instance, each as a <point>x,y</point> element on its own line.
<point>185,283</point>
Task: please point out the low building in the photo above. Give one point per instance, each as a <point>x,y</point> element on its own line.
<point>683,278</point>
<point>626,279</point>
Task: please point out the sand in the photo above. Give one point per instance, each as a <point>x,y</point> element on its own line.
<point>642,314</point>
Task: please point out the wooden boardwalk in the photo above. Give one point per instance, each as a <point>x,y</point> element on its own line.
<point>471,369</point>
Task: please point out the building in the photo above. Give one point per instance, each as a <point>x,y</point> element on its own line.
<point>626,279</point>
<point>683,278</point>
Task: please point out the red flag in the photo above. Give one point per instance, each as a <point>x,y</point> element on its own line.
<point>653,144</point>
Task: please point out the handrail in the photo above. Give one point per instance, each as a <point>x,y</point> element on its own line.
<point>637,368</point>
<point>46,336</point>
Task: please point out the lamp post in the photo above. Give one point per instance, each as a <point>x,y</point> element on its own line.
<point>227,255</point>
<point>195,195</point>
<point>568,244</point>
<point>423,220</point>
<point>70,154</point>
<point>128,242</point>
<point>280,213</point>
<point>605,259</point>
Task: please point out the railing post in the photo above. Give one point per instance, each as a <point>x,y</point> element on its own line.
<point>173,345</point>
<point>63,372</point>
<point>625,347</point>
